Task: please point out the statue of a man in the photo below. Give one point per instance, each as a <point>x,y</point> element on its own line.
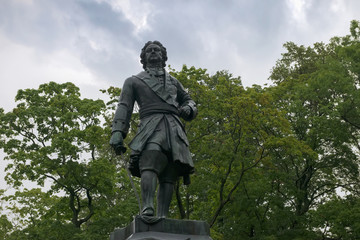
<point>160,149</point>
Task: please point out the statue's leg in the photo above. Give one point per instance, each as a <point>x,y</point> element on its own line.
<point>148,188</point>
<point>167,179</point>
<point>164,197</point>
<point>151,163</point>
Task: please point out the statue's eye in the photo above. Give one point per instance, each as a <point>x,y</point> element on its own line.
<point>148,50</point>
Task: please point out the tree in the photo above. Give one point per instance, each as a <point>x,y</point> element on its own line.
<point>5,224</point>
<point>338,218</point>
<point>38,215</point>
<point>236,132</point>
<point>55,137</point>
<point>318,88</point>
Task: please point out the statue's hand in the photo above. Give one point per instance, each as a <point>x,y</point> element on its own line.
<point>185,112</point>
<point>117,142</point>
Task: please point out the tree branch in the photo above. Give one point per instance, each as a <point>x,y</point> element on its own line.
<point>89,206</point>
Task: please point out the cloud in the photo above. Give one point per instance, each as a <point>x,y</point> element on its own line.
<point>298,10</point>
<point>218,35</point>
<point>23,67</point>
<point>106,35</point>
<point>92,31</point>
<point>136,11</point>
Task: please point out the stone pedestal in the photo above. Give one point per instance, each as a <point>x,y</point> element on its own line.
<point>163,229</point>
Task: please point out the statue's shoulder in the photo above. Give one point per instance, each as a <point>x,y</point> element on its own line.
<point>141,75</point>
<point>135,78</point>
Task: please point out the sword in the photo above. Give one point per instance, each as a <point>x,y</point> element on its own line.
<point>120,150</point>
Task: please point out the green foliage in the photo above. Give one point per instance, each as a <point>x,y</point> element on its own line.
<point>338,218</point>
<point>55,137</point>
<point>38,215</point>
<point>5,225</point>
<point>237,132</point>
<point>318,88</point>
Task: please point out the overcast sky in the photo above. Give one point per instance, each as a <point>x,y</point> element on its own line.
<point>96,43</point>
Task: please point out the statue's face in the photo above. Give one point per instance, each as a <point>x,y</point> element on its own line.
<point>153,54</point>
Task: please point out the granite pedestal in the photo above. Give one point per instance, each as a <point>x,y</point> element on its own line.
<point>163,229</point>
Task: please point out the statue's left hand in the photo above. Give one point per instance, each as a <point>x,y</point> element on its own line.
<point>185,112</point>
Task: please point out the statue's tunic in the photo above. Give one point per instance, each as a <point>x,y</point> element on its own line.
<point>159,99</point>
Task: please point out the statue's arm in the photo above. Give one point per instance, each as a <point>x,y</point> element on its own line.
<point>121,122</point>
<point>188,109</point>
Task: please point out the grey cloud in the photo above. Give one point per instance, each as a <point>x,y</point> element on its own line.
<point>246,29</point>
<point>53,25</point>
<point>101,15</point>
<point>208,34</point>
<point>244,37</point>
<point>49,24</point>
<point>114,35</point>
<point>29,24</point>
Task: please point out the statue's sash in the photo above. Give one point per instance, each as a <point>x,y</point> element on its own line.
<point>167,93</point>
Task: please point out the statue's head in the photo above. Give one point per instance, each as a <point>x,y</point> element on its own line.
<point>153,52</point>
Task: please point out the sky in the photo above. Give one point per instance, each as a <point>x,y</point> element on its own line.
<point>96,43</point>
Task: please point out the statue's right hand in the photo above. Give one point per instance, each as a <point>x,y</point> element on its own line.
<point>117,142</point>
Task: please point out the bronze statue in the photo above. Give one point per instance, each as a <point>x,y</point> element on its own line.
<point>160,149</point>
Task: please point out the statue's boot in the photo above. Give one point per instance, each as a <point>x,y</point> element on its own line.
<point>164,198</point>
<point>148,188</point>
